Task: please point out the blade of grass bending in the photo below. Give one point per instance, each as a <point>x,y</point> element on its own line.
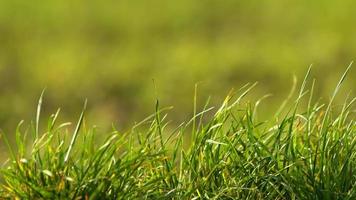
<point>158,122</point>
<point>228,99</point>
<point>324,136</point>
<point>19,142</point>
<point>159,128</point>
<point>290,95</point>
<point>53,120</point>
<point>194,109</point>
<point>75,135</point>
<point>290,136</point>
<point>337,88</point>
<point>38,114</point>
<point>7,143</point>
<point>225,107</point>
<point>150,117</point>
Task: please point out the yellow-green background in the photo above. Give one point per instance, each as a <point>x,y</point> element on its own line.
<point>109,52</point>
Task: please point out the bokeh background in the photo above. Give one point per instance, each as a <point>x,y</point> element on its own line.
<point>111,51</point>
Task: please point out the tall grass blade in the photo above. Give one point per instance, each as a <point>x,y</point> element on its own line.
<point>76,131</point>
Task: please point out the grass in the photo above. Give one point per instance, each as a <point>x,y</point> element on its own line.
<point>227,154</point>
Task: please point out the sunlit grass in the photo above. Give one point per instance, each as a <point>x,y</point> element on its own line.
<point>306,154</point>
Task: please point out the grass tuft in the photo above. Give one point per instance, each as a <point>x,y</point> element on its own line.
<point>228,154</point>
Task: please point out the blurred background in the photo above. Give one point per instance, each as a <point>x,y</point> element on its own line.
<point>111,51</point>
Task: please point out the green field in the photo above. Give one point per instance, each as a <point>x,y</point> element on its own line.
<point>110,52</point>
<point>281,137</point>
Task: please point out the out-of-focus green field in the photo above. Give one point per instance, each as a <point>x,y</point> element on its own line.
<point>109,52</point>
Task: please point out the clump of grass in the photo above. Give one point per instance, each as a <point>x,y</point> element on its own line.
<point>303,155</point>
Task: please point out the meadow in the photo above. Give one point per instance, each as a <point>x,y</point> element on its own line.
<point>283,137</point>
<point>110,52</point>
<point>305,151</point>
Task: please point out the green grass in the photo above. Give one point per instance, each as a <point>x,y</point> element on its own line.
<point>305,152</point>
